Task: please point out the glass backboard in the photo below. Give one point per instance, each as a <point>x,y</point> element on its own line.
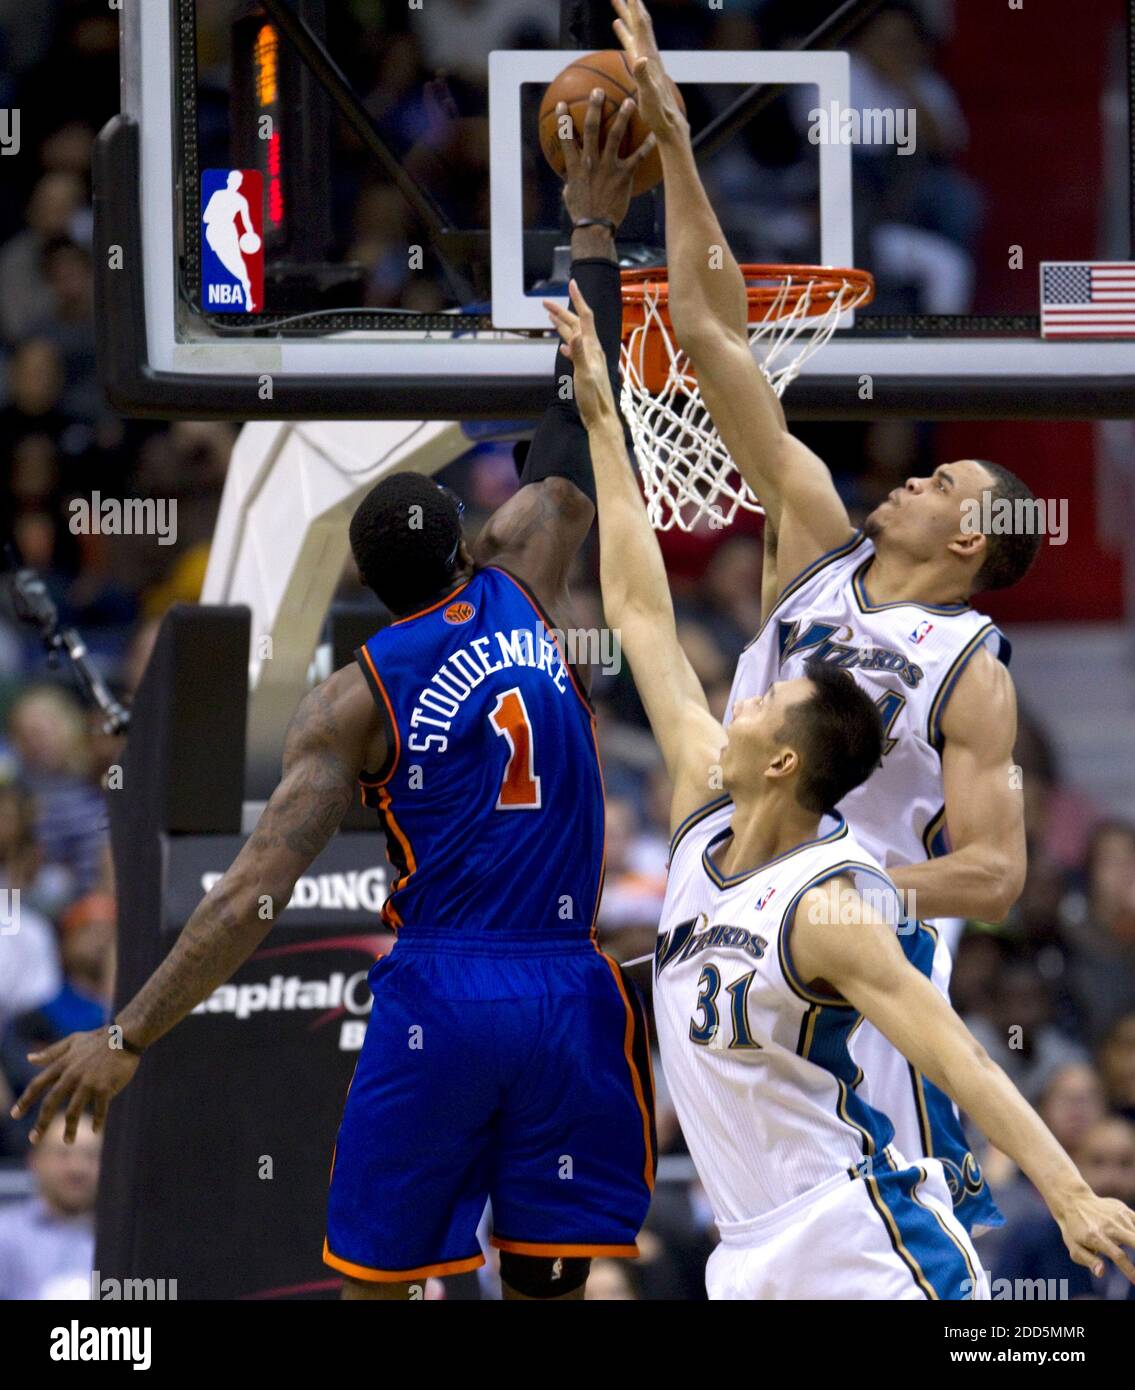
<point>404,232</point>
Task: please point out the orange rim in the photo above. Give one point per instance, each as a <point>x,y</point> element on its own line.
<point>765,285</point>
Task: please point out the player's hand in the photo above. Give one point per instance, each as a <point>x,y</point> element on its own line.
<point>598,182</point>
<point>1098,1226</point>
<point>82,1072</point>
<point>635,32</point>
<point>589,365</point>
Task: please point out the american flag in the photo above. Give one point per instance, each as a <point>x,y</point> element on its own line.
<point>1087,299</point>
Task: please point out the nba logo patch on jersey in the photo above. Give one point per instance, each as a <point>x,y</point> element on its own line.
<point>459,613</point>
<point>924,629</point>
<point>765,898</point>
<point>232,241</point>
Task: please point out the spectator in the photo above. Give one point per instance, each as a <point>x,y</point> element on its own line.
<point>1017,1032</point>
<point>1117,1066</point>
<point>922,215</point>
<point>68,321</point>
<point>54,211</point>
<point>632,899</point>
<point>48,734</point>
<point>47,1242</point>
<point>1099,927</point>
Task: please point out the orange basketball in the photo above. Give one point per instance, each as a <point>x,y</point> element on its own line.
<point>609,70</point>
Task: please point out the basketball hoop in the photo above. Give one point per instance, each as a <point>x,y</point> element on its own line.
<point>686,470</point>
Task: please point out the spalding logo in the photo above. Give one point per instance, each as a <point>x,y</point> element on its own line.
<point>459,613</point>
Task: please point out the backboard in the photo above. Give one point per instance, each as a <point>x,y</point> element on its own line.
<point>950,147</point>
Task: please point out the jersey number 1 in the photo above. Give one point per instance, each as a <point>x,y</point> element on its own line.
<point>520,789</point>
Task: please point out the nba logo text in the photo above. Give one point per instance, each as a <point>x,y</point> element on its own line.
<point>232,241</point>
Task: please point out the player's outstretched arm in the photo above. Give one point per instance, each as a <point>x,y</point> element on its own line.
<point>538,532</point>
<point>709,312</point>
<point>838,938</point>
<point>334,735</point>
<point>636,593</point>
<point>984,873</point>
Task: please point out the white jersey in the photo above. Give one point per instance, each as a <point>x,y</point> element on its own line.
<point>757,1064</point>
<point>908,657</point>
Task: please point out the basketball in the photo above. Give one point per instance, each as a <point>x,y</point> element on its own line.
<point>611,71</point>
<point>250,243</point>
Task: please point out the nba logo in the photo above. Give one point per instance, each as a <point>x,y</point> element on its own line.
<point>232,242</point>
<point>924,629</point>
<point>765,897</point>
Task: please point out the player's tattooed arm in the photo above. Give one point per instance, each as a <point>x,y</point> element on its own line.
<point>984,873</point>
<point>839,939</point>
<point>335,734</point>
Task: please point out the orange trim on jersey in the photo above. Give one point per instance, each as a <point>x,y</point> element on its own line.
<point>593,931</point>
<point>567,1252</point>
<point>536,608</point>
<point>393,722</point>
<point>636,1079</point>
<point>389,913</point>
<point>421,613</point>
<point>400,1276</point>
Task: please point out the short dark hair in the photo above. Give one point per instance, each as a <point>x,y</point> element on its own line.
<point>839,734</point>
<point>1008,557</point>
<point>405,537</point>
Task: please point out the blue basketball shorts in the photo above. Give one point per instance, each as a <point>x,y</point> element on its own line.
<point>516,1073</point>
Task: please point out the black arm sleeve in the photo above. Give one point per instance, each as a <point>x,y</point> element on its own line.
<point>560,447</point>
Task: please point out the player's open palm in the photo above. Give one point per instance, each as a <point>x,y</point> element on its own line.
<point>581,344</point>
<point>599,181</point>
<point>1095,1226</point>
<point>656,99</point>
<point>84,1071</point>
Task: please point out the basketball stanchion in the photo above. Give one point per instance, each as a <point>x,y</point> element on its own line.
<point>686,470</point>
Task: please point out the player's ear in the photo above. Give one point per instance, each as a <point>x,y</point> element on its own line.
<point>784,764</point>
<point>967,544</point>
<point>465,559</point>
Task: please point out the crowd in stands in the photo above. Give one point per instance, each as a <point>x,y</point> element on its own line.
<point>1051,992</point>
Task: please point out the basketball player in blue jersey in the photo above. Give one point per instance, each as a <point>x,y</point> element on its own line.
<point>505,1057</point>
<point>777,941</point>
<point>891,604</point>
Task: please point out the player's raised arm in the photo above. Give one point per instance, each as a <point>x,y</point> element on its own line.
<point>837,937</point>
<point>537,533</point>
<point>333,737</point>
<point>636,593</point>
<point>709,313</point>
<point>984,873</point>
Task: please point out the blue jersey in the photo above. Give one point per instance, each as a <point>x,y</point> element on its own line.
<point>492,795</point>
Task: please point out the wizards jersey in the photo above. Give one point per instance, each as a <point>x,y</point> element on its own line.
<point>909,658</point>
<point>491,798</point>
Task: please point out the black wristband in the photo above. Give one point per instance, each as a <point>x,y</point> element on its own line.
<point>126,1045</point>
<point>594,222</point>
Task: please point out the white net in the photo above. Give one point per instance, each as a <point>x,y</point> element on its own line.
<point>687,472</point>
